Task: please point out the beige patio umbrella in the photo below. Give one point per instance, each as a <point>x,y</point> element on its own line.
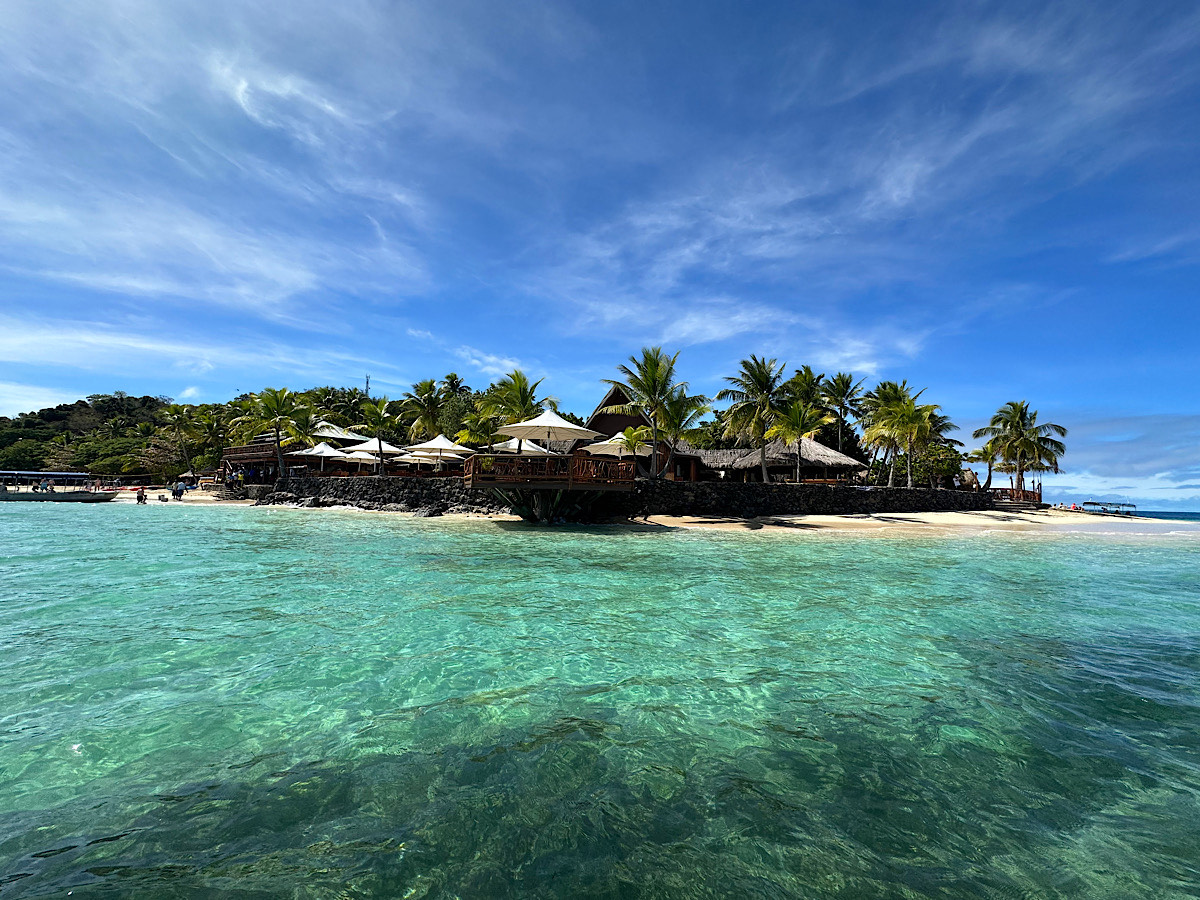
<point>549,426</point>
<point>361,456</point>
<point>526,448</point>
<point>613,447</point>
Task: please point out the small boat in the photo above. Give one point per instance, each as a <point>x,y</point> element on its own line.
<point>1110,509</point>
<point>56,496</point>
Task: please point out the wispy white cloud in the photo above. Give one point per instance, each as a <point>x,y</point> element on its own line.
<point>487,363</point>
<point>137,348</point>
<point>18,398</point>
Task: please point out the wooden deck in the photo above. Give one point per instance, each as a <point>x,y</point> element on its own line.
<point>550,472</point>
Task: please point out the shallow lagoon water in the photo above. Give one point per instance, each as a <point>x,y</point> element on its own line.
<point>268,702</point>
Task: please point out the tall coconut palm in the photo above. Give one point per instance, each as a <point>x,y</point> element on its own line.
<point>807,387</point>
<point>882,446</point>
<point>680,414</point>
<point>1021,441</point>
<point>758,396</point>
<point>649,384</point>
<point>453,386</point>
<point>909,425</point>
<point>376,417</point>
<point>212,430</point>
<point>842,396</point>
<point>273,409</point>
<point>423,406</point>
<point>181,425</point>
<point>797,422</point>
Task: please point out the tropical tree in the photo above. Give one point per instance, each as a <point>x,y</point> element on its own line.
<point>478,428</point>
<point>681,413</point>
<point>273,409</point>
<point>453,386</point>
<point>907,424</point>
<point>1021,441</point>
<point>807,387</point>
<point>842,396</point>
<point>514,398</point>
<point>985,454</point>
<point>423,407</point>
<point>376,417</point>
<point>181,424</point>
<point>633,440</point>
<point>758,396</point>
<point>649,384</point>
<point>306,422</point>
<point>795,423</point>
<point>882,446</point>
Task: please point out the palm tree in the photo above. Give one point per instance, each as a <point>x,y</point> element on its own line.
<point>376,417</point>
<point>273,409</point>
<point>842,396</point>
<point>985,454</point>
<point>758,396</point>
<point>680,414</point>
<point>884,393</point>
<point>453,386</point>
<point>649,385</point>
<point>797,422</point>
<point>1021,442</point>
<point>181,425</point>
<point>514,398</point>
<point>424,405</point>
<point>908,424</point>
<point>306,422</point>
<point>633,440</point>
<point>807,386</point>
<point>479,429</point>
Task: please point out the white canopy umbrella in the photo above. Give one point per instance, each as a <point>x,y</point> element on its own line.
<point>440,445</point>
<point>361,456</point>
<point>549,426</point>
<point>323,451</point>
<point>613,447</point>
<point>372,446</point>
<point>527,448</point>
<point>438,449</point>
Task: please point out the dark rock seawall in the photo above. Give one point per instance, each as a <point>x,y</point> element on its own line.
<point>428,496</point>
<point>433,496</point>
<point>748,500</point>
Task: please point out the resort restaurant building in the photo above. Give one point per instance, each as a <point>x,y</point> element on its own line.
<point>257,460</point>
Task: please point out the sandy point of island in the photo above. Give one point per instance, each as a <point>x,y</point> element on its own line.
<point>914,523</point>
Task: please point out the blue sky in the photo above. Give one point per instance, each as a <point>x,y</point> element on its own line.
<point>994,201</point>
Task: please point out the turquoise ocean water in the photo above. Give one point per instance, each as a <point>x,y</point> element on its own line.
<point>213,702</point>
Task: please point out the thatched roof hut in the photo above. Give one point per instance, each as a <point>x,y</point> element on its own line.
<point>813,455</point>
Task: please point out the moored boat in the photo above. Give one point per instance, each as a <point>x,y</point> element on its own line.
<point>7,494</point>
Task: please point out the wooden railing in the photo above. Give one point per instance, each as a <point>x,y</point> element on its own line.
<point>566,471</point>
<point>1016,494</point>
